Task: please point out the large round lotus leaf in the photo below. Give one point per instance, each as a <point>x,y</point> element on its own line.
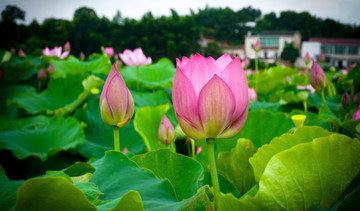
<point>150,99</point>
<point>61,96</point>
<point>182,171</point>
<point>72,65</point>
<point>118,175</point>
<point>51,136</point>
<point>286,141</point>
<point>100,137</point>
<point>155,76</point>
<point>51,193</point>
<point>8,191</point>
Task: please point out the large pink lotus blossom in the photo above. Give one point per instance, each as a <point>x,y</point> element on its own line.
<point>251,94</point>
<point>135,58</point>
<point>210,96</point>
<point>57,51</point>
<point>356,114</point>
<point>109,51</point>
<point>257,46</point>
<point>317,77</point>
<point>308,87</point>
<point>116,101</point>
<point>166,133</point>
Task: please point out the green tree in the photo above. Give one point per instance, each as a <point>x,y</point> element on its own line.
<point>213,49</point>
<point>289,53</point>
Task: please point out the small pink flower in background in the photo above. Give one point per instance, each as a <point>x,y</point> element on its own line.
<point>245,63</point>
<point>356,114</point>
<point>344,71</point>
<point>51,68</point>
<point>116,102</point>
<point>198,150</point>
<point>41,74</point>
<point>307,58</point>
<point>357,98</point>
<point>22,53</point>
<point>13,50</point>
<point>109,51</point>
<point>251,94</point>
<point>283,65</point>
<point>257,46</point>
<point>345,99</point>
<point>82,56</point>
<point>67,46</point>
<point>287,79</point>
<point>353,65</point>
<point>135,58</point>
<point>125,150</point>
<point>210,97</point>
<point>57,51</point>
<point>308,87</point>
<point>116,57</point>
<point>249,72</point>
<point>321,57</point>
<point>317,77</point>
<point>166,133</point>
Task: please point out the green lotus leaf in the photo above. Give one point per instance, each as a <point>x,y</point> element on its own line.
<point>182,171</point>
<point>62,96</point>
<point>146,123</point>
<point>351,201</point>
<point>100,137</point>
<point>72,65</point>
<point>51,193</point>
<point>155,76</point>
<point>79,168</point>
<point>150,99</point>
<point>235,167</point>
<point>266,152</point>
<point>91,191</point>
<point>8,191</point>
<point>53,135</point>
<point>130,201</point>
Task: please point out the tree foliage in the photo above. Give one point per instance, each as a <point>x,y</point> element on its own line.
<point>290,53</point>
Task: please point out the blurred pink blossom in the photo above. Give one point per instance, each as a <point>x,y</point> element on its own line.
<point>57,51</point>
<point>198,150</point>
<point>22,53</point>
<point>51,68</point>
<point>41,74</point>
<point>109,51</point>
<point>251,94</point>
<point>125,150</point>
<point>135,58</point>
<point>356,114</point>
<point>67,46</point>
<point>308,87</point>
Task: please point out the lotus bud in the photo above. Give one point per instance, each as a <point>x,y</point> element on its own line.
<point>82,56</point>
<point>22,53</point>
<point>135,58</point>
<point>198,150</point>
<point>116,101</point>
<point>109,51</point>
<point>125,150</point>
<point>41,74</point>
<point>321,57</point>
<point>345,99</point>
<point>210,96</point>
<point>13,50</point>
<point>318,79</point>
<point>166,132</point>
<point>67,46</point>
<point>307,59</point>
<point>257,46</point>
<point>252,94</point>
<point>357,98</point>
<point>356,114</point>
<point>298,120</point>
<point>51,68</point>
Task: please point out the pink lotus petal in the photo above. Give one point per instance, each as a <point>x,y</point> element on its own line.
<point>235,126</point>
<point>216,106</point>
<point>198,150</point>
<point>64,55</point>
<point>193,131</point>
<point>223,61</point>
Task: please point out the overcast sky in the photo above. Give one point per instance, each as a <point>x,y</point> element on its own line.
<point>345,11</point>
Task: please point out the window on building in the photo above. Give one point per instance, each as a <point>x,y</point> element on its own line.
<point>269,41</point>
<point>353,50</point>
<point>327,49</point>
<point>340,50</point>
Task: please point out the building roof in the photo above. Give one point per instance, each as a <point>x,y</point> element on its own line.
<point>278,33</point>
<point>336,41</point>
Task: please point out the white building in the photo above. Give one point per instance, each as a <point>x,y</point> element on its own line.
<point>272,43</point>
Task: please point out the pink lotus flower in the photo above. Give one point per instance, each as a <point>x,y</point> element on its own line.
<point>116,101</point>
<point>135,58</point>
<point>356,114</point>
<point>51,68</point>
<point>249,72</point>
<point>308,87</point>
<point>345,99</point>
<point>245,63</point>
<point>67,46</point>
<point>307,58</point>
<point>317,77</point>
<point>13,50</point>
<point>353,65</point>
<point>166,132</point>
<point>357,98</point>
<point>251,94</point>
<point>287,79</point>
<point>257,46</point>
<point>210,96</point>
<point>125,150</point>
<point>57,51</point>
<point>198,150</point>
<point>109,51</point>
<point>82,56</point>
<point>344,71</point>
<point>321,57</point>
<point>41,74</point>
<point>22,53</point>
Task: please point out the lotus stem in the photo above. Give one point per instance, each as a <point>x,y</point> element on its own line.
<point>323,96</point>
<point>137,79</point>
<point>305,106</point>
<point>192,148</point>
<point>116,139</point>
<point>256,62</point>
<point>213,172</point>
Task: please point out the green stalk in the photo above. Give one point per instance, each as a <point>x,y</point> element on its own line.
<point>213,172</point>
<point>305,106</point>
<point>116,139</point>
<point>39,86</point>
<point>256,62</point>
<point>323,95</point>
<point>137,79</point>
<point>192,148</point>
